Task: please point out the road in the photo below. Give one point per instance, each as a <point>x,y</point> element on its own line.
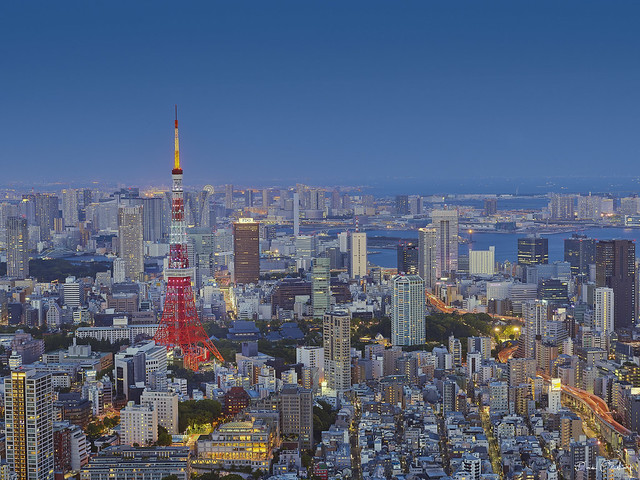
<point>439,305</point>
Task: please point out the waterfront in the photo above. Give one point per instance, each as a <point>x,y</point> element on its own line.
<point>506,243</point>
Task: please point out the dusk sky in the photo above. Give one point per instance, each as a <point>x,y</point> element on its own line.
<point>274,92</point>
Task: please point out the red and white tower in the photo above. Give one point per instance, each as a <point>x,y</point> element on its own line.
<point>180,327</point>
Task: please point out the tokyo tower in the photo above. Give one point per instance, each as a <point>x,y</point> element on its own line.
<point>180,327</point>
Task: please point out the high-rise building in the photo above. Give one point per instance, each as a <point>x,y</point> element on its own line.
<point>407,310</point>
<point>358,257</point>
<point>152,219</point>
<point>336,338</point>
<point>481,345</point>
<point>46,211</point>
<point>536,314</point>
<point>408,258</point>
<point>130,235</point>
<point>228,196</point>
<point>446,224</point>
<point>604,310</point>
<point>533,250</point>
<point>455,349</point>
<point>616,269</point>
<point>490,206</point>
<point>70,207</point>
<point>520,370</point>
<point>17,247</point>
<point>320,287</point>
<point>246,251</point>
<point>402,204</point>
<point>580,252</point>
<point>296,414</point>
<point>482,262</point>
<point>139,424</point>
<point>248,198</point>
<point>165,403</point>
<point>562,207</point>
<point>499,397</point>
<point>427,256</point>
<point>28,401</point>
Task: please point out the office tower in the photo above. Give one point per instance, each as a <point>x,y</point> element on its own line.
<point>28,400</point>
<point>152,219</point>
<point>72,293</point>
<point>482,262</point>
<point>402,204</point>
<point>180,328</point>
<point>119,271</point>
<point>17,247</point>
<point>265,198</point>
<point>130,235</point>
<point>481,345</point>
<point>228,196</point>
<point>446,224</point>
<point>616,269</point>
<point>343,242</point>
<point>533,250</point>
<point>536,314</point>
<point>408,258</point>
<point>490,206</point>
<point>320,287</point>
<point>561,207</point>
<point>316,199</point>
<point>407,310</point>
<point>296,214</point>
<point>296,414</point>
<point>70,207</point>
<point>305,246</point>
<point>604,310</point>
<point>358,257</point>
<point>246,251</point>
<point>166,405</point>
<point>336,339</point>
<point>427,256</point>
<point>580,252</point>
<point>139,424</point>
<point>46,211</point>
<point>248,198</point>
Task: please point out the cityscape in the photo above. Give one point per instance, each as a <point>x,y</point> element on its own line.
<point>417,316</point>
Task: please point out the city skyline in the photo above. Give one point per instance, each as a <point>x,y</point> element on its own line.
<point>284,90</point>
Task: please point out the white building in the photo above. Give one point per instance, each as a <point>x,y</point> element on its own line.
<point>139,424</point>
<point>482,262</point>
<point>427,257</point>
<point>166,406</point>
<point>603,313</point>
<point>407,310</point>
<point>358,255</point>
<point>446,224</point>
<point>312,357</point>
<point>555,394</point>
<point>499,397</point>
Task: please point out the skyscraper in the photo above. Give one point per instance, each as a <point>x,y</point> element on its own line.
<point>228,196</point>
<point>246,251</point>
<point>17,247</point>
<point>482,262</point>
<point>562,207</point>
<point>408,258</point>
<point>46,211</point>
<point>427,258</point>
<point>536,314</point>
<point>402,204</point>
<point>130,235</point>
<point>580,252</point>
<point>446,224</point>
<point>490,206</point>
<point>604,310</point>
<point>320,286</point>
<point>358,257</point>
<point>29,424</point>
<point>616,269</point>
<point>336,338</point>
<point>70,207</point>
<point>407,314</point>
<point>533,250</point>
<point>152,219</point>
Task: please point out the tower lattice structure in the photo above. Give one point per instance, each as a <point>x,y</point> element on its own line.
<point>180,327</point>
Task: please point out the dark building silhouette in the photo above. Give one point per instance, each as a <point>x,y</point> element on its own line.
<point>236,400</point>
<point>533,251</point>
<point>402,204</point>
<point>408,258</point>
<point>246,251</point>
<point>490,206</point>
<point>580,252</point>
<point>616,269</point>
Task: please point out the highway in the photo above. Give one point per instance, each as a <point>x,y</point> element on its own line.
<point>439,305</point>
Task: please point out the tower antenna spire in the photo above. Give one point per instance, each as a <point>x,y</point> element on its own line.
<point>176,160</point>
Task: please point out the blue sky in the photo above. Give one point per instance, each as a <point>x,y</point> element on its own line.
<point>319,91</point>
